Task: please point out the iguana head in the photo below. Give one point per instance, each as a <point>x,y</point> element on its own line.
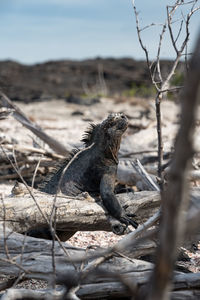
<point>108,133</point>
<point>115,124</point>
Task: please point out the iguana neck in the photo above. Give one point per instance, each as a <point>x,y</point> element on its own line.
<point>111,149</point>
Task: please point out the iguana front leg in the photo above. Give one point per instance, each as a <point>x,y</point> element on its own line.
<point>111,202</point>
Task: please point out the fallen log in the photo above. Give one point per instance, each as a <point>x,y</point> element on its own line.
<point>29,211</point>
<point>33,258</point>
<point>21,213</point>
<point>92,291</point>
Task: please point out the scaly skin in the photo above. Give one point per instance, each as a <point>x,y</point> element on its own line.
<point>94,168</point>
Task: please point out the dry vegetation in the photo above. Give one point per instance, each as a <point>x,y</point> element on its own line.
<point>67,122</point>
<point>158,260</point>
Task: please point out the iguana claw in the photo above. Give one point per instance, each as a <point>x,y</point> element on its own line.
<point>128,221</point>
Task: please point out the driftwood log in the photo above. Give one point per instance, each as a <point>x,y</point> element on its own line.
<point>110,290</point>
<point>33,258</point>
<point>72,214</point>
<point>25,212</point>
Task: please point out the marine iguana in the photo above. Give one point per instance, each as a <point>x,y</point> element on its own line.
<point>93,169</point>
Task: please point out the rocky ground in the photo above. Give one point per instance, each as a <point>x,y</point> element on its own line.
<point>88,77</point>
<point>67,122</point>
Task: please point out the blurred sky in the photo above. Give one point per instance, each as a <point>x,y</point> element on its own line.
<point>41,30</point>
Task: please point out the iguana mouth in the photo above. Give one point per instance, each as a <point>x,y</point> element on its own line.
<point>122,123</point>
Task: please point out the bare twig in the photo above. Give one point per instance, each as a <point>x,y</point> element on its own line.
<point>148,180</point>
<point>158,54</point>
<point>52,226</point>
<point>140,40</point>
<point>4,228</point>
<point>35,172</point>
<point>175,198</point>
<point>163,85</point>
<point>170,14</point>
<point>35,201</point>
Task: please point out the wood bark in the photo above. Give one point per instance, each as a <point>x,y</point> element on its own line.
<point>33,258</point>
<point>73,214</point>
<point>113,290</point>
<point>20,213</point>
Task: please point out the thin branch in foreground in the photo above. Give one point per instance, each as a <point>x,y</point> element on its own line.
<point>35,201</point>
<point>4,228</point>
<point>175,199</point>
<point>35,172</point>
<point>52,227</point>
<point>160,142</point>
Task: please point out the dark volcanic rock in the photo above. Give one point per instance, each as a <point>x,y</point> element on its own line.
<point>81,101</point>
<point>63,78</point>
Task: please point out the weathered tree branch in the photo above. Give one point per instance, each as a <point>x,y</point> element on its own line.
<point>23,119</point>
<point>20,213</point>
<point>34,256</point>
<point>175,199</point>
<point>132,173</point>
<point>73,214</point>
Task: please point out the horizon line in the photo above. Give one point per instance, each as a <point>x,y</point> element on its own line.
<point>81,59</point>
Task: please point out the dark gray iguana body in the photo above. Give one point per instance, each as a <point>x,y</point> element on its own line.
<point>94,168</point>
